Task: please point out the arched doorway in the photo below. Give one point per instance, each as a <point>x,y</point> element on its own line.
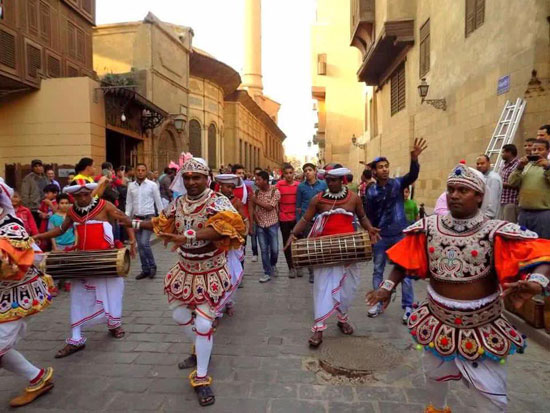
<point>195,146</point>
<point>167,150</point>
<point>212,161</point>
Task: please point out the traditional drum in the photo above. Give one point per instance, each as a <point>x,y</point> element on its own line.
<point>82,264</point>
<point>332,250</point>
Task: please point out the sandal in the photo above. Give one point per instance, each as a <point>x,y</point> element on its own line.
<point>205,395</point>
<point>188,363</point>
<point>117,332</point>
<point>345,328</point>
<point>68,350</point>
<point>316,339</point>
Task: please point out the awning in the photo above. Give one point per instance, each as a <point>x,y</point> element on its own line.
<point>151,114</point>
<point>391,45</point>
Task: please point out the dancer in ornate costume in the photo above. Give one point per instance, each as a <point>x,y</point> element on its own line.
<point>235,257</point>
<point>93,299</point>
<point>24,290</point>
<point>335,285</point>
<point>468,259</point>
<point>203,225</point>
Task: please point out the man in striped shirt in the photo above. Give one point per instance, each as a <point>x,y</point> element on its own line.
<point>287,211</point>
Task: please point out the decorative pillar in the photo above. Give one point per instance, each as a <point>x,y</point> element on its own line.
<point>252,69</point>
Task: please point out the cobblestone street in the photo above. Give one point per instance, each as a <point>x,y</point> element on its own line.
<point>261,361</point>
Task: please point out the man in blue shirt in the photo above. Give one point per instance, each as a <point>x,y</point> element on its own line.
<point>305,192</point>
<point>384,205</point>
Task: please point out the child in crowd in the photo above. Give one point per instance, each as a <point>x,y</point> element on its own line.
<point>411,208</point>
<point>48,206</point>
<point>66,240</point>
<point>24,214</point>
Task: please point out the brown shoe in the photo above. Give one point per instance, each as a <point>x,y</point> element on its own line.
<point>34,391</point>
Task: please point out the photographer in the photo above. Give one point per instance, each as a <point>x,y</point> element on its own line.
<point>532,177</point>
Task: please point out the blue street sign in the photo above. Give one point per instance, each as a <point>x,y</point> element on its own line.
<point>503,85</point>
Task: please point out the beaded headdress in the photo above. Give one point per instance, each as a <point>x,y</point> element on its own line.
<point>195,165</point>
<point>79,185</point>
<point>468,177</point>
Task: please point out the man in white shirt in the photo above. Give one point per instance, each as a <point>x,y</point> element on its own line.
<point>493,187</point>
<point>142,198</point>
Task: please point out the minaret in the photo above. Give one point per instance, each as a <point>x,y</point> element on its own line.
<point>252,70</point>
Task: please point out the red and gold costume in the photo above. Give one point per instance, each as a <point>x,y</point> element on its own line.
<point>24,290</point>
<point>199,285</point>
<point>471,336</point>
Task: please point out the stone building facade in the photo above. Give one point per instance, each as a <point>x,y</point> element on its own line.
<point>153,56</point>
<point>475,54</point>
<point>340,99</point>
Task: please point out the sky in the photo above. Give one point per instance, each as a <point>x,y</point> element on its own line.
<point>218,28</point>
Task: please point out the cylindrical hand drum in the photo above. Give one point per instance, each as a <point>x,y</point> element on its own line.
<point>82,264</point>
<point>332,250</point>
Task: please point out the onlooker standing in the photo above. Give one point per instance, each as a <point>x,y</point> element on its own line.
<point>384,205</point>
<point>142,198</point>
<point>305,192</point>
<point>528,145</point>
<point>164,185</point>
<point>288,187</point>
<point>67,239</point>
<point>532,177</point>
<point>254,233</point>
<point>509,198</point>
<point>85,170</point>
<point>265,201</point>
<point>24,214</point>
<point>50,174</point>
<point>48,206</point>
<point>544,133</point>
<point>493,187</point>
<point>32,188</point>
<point>411,208</point>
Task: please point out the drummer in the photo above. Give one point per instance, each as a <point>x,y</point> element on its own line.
<point>334,285</point>
<point>93,299</point>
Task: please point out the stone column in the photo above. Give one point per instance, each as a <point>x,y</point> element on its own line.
<point>252,69</point>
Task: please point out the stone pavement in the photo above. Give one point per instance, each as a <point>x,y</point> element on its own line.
<point>261,361</point>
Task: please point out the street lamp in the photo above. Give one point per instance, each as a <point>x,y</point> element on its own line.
<point>354,142</point>
<point>179,123</point>
<point>423,88</point>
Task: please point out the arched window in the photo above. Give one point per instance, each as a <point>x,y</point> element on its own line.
<point>212,161</point>
<point>195,146</point>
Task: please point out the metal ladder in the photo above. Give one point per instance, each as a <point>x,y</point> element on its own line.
<point>505,131</point>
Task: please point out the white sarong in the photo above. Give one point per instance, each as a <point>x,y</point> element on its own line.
<point>333,290</point>
<point>96,300</point>
<point>10,333</point>
<point>235,267</point>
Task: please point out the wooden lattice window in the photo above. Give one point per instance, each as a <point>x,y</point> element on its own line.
<point>87,6</point>
<point>80,45</point>
<point>54,66</point>
<point>475,15</point>
<point>34,60</point>
<point>7,49</point>
<point>32,16</point>
<point>71,39</point>
<point>45,22</point>
<point>72,71</point>
<point>425,48</point>
<point>398,89</point>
